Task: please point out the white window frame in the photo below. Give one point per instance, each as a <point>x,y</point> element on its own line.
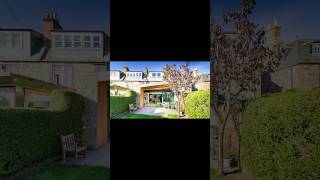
<point>76,41</point>
<point>96,42</point>
<point>154,74</point>
<point>63,76</point>
<point>67,39</point>
<point>7,40</point>
<point>87,42</point>
<point>58,41</point>
<point>32,96</point>
<point>15,41</point>
<point>316,48</point>
<point>12,65</point>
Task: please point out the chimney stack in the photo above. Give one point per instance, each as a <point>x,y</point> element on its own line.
<point>274,34</point>
<point>50,22</point>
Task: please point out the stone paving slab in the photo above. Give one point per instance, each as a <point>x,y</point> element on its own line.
<point>159,111</point>
<point>98,157</point>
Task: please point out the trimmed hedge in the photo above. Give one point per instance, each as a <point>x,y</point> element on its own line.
<point>198,104</point>
<point>120,104</point>
<point>281,136</point>
<point>28,136</point>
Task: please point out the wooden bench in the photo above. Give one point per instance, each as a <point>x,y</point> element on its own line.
<point>132,108</point>
<point>71,146</point>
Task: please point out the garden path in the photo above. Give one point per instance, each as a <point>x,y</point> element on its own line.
<point>155,111</point>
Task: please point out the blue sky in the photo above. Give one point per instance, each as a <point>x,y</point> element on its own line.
<point>73,15</point>
<point>203,66</point>
<point>298,18</point>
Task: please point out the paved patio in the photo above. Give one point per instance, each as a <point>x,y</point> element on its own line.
<point>99,157</point>
<point>159,111</point>
<point>226,167</point>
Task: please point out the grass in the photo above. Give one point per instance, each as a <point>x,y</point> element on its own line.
<point>143,116</point>
<point>69,172</point>
<point>213,174</point>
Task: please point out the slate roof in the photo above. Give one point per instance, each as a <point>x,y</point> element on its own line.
<point>299,52</point>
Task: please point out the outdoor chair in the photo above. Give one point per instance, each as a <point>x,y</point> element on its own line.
<point>165,105</point>
<point>72,146</point>
<point>132,108</point>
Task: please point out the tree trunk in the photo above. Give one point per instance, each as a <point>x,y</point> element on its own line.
<point>182,108</point>
<point>239,140</point>
<point>222,127</point>
<point>220,152</point>
<point>178,108</point>
<point>239,151</point>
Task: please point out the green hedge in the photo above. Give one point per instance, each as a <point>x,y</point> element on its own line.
<point>120,104</point>
<point>198,104</point>
<point>28,136</point>
<point>281,136</point>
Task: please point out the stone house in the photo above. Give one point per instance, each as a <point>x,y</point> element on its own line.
<point>299,68</point>
<point>150,87</point>
<point>72,58</point>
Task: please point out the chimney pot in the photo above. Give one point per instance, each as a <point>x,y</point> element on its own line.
<point>50,22</point>
<point>269,26</point>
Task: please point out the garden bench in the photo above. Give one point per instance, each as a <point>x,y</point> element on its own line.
<point>165,105</point>
<point>132,108</point>
<point>73,146</point>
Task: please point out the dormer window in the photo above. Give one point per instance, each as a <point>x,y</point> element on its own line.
<point>76,41</point>
<point>316,48</point>
<point>67,41</point>
<point>96,41</point>
<point>10,40</point>
<point>87,41</point>
<point>4,40</point>
<point>58,41</point>
<point>15,40</point>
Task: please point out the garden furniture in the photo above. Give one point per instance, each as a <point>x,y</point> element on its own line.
<point>72,146</point>
<point>132,108</point>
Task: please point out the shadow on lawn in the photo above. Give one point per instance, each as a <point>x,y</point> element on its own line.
<point>65,172</point>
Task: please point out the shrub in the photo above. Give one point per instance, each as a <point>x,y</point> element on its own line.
<point>281,136</point>
<point>198,104</point>
<point>28,136</point>
<point>120,104</point>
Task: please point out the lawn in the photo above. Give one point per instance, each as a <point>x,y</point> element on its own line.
<point>68,172</point>
<point>143,116</point>
<point>213,174</point>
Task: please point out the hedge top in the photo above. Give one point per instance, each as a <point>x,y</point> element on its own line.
<point>198,104</point>
<point>280,137</point>
<point>62,100</point>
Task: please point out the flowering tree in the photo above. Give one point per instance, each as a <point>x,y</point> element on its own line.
<point>180,80</point>
<point>238,61</point>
